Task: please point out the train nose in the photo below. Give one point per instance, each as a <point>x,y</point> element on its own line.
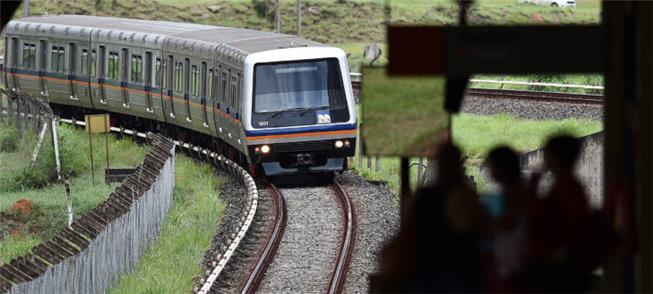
<point>304,159</point>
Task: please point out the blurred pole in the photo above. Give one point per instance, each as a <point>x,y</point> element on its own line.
<point>299,17</point>
<point>25,8</point>
<point>277,16</point>
<point>69,203</point>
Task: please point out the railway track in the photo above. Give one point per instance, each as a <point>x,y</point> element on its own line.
<point>334,280</point>
<point>525,95</point>
<point>536,96</point>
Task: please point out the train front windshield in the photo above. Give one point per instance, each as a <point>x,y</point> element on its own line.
<point>299,93</point>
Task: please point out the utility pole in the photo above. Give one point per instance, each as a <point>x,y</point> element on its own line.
<point>25,8</point>
<point>277,16</point>
<point>299,17</point>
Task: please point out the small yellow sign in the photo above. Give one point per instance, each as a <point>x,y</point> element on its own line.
<point>97,123</point>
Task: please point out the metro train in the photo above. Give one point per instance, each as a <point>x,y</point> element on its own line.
<point>278,103</point>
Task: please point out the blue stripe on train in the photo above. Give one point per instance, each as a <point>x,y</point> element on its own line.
<point>307,129</point>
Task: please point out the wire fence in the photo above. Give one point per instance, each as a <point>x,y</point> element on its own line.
<point>106,242</point>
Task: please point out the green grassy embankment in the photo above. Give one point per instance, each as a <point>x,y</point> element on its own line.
<point>42,211</point>
<point>171,264</point>
<point>168,266</point>
<point>477,135</point>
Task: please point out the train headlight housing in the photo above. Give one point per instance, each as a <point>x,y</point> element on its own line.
<point>265,149</point>
<point>339,144</point>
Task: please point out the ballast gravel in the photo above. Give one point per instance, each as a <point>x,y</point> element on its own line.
<point>245,257</point>
<point>310,243</point>
<point>377,209</point>
<point>529,109</point>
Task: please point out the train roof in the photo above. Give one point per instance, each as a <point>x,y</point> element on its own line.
<point>244,40</point>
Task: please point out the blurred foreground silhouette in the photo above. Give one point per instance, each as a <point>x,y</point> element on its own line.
<point>509,240</point>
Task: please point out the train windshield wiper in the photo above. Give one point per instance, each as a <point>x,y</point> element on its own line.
<point>277,113</point>
<point>322,107</point>
<point>311,108</point>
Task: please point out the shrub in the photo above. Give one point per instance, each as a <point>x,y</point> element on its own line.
<point>8,139</point>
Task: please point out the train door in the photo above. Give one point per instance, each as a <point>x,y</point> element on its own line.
<point>124,77</point>
<point>203,94</point>
<point>171,83</point>
<point>101,74</point>
<point>12,63</point>
<point>186,85</point>
<point>72,70</point>
<point>42,66</point>
<point>148,82</point>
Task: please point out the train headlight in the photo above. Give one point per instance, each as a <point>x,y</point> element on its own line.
<point>265,149</point>
<point>339,144</point>
<point>347,144</point>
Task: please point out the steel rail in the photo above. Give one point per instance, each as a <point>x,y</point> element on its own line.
<point>536,96</point>
<point>268,253</point>
<point>339,274</point>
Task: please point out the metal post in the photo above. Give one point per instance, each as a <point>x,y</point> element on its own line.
<point>25,8</point>
<point>420,171</point>
<point>377,163</point>
<point>69,204</point>
<point>106,138</point>
<point>299,17</point>
<point>277,16</point>
<point>55,143</point>
<point>37,149</point>
<point>404,198</point>
<point>369,162</point>
<point>90,148</point>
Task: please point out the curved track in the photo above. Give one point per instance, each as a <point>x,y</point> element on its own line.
<point>335,279</point>
<point>272,244</point>
<point>347,244</point>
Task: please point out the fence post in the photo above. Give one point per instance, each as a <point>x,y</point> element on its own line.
<point>420,171</point>
<point>55,144</point>
<point>369,162</point>
<point>377,163</point>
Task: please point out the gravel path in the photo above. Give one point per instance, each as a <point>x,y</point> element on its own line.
<point>309,246</point>
<point>532,109</point>
<point>378,219</point>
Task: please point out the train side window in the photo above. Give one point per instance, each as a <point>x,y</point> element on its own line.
<point>137,69</point>
<point>179,68</point>
<point>114,67</point>
<point>194,81</point>
<point>157,72</point>
<point>29,55</point>
<point>84,63</point>
<point>93,63</point>
<point>57,60</point>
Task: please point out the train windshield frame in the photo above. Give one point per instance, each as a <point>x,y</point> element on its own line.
<point>291,89</point>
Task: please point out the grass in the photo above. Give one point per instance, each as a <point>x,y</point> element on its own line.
<point>170,265</point>
<point>477,135</point>
<point>402,122</point>
<point>20,231</point>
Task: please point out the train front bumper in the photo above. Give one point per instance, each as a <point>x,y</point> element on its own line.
<point>303,157</point>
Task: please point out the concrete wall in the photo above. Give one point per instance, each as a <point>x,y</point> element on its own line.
<point>589,168</point>
<point>106,242</point>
